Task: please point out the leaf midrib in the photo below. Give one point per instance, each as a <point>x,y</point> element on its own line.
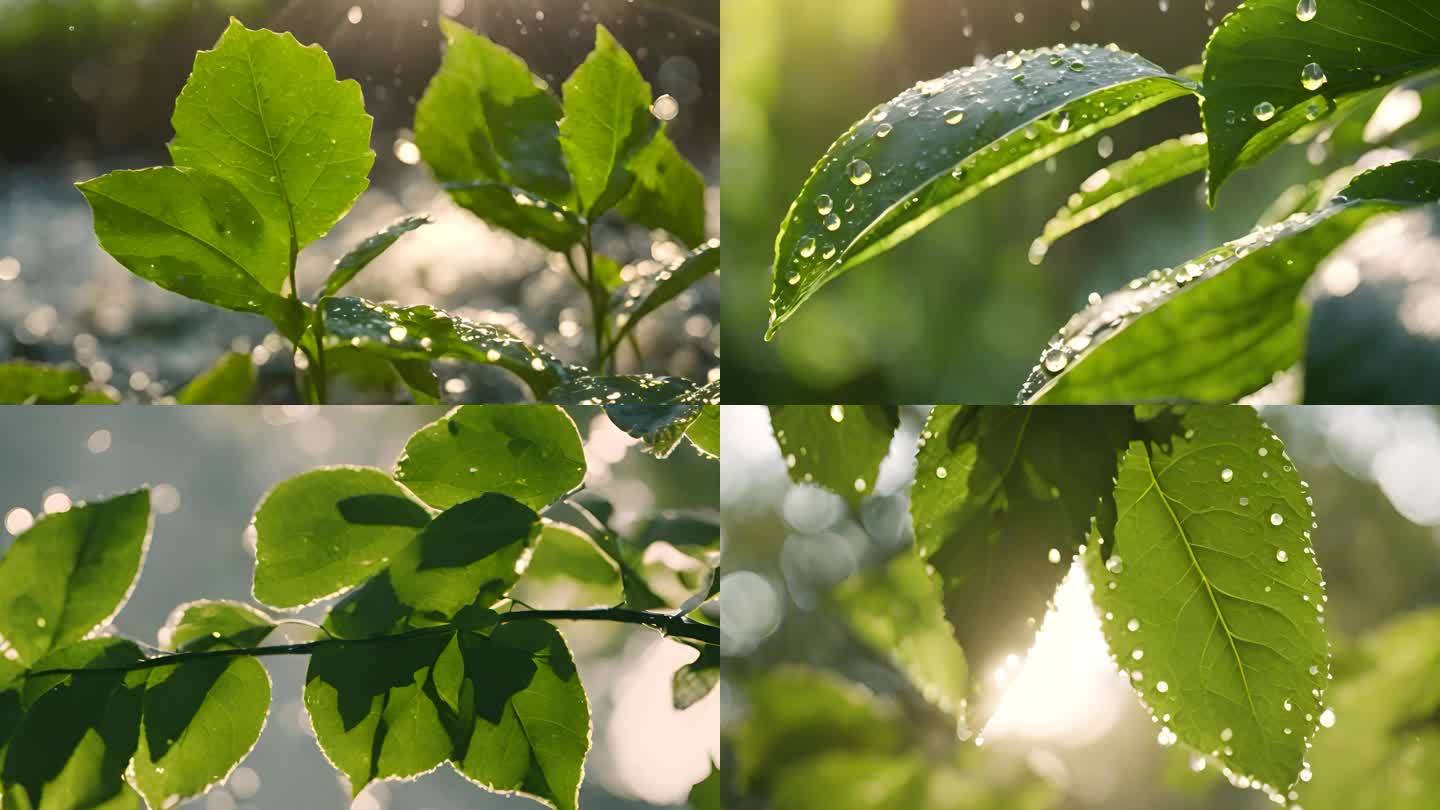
<point>274,158</point>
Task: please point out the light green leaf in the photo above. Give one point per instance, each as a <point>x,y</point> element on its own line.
<point>211,625</point>
<point>1221,325</point>
<point>668,192</point>
<point>637,591</point>
<point>266,114</point>
<point>200,719</point>
<point>704,432</point>
<point>607,123</point>
<point>525,726</point>
<point>530,452</point>
<point>327,530</point>
<point>705,795</point>
<point>421,332</point>
<point>1121,182</point>
<point>23,383</point>
<point>360,256</point>
<point>375,708</point>
<point>656,410</point>
<point>944,142</point>
<point>520,212</point>
<point>231,381</point>
<point>838,447</point>
<point>71,572</point>
<point>196,234</point>
<point>1212,579</point>
<point>692,682</point>
<point>645,295</point>
<point>1002,500</point>
<point>485,116</point>
<point>1260,87</point>
<point>897,611</point>
<point>565,552</point>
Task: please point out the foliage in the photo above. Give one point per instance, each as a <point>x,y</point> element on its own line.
<point>1272,73</point>
<point>427,659</point>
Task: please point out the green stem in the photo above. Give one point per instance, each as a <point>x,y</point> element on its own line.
<point>676,626</point>
<point>597,304</point>
<point>320,376</point>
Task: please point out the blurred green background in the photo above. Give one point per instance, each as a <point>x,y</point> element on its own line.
<point>209,467</point>
<point>958,313</point>
<point>1070,734</point>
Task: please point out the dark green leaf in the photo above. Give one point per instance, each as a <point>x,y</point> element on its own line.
<point>607,123</point>
<point>520,212</point>
<point>23,383</point>
<point>645,295</point>
<point>668,192</point>
<point>230,381</point>
<point>328,530</point>
<point>1121,182</point>
<point>421,332</point>
<point>1211,596</point>
<point>838,447</point>
<point>210,625</point>
<point>942,143</point>
<point>696,679</point>
<point>485,116</point>
<point>530,452</point>
<point>101,652</point>
<point>368,251</point>
<point>420,378</point>
<point>656,410</point>
<point>1002,500</point>
<point>1260,87</point>
<point>690,531</point>
<point>71,572</point>
<point>706,793</point>
<point>1223,324</point>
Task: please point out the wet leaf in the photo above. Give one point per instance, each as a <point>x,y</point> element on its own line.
<point>1211,578</point>
<point>531,453</point>
<point>231,381</point>
<point>656,410</point>
<point>838,447</point>
<point>360,256</point>
<point>1223,324</point>
<point>668,192</point>
<point>1260,87</point>
<point>71,572</point>
<point>23,383</point>
<point>606,125</point>
<point>945,142</point>
<point>704,432</point>
<point>645,295</point>
<point>520,212</point>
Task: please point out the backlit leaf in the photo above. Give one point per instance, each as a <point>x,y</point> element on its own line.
<point>647,294</point>
<point>656,410</point>
<point>838,447</point>
<point>210,625</point>
<point>668,192</point>
<point>360,256</point>
<point>231,381</point>
<point>23,383</point>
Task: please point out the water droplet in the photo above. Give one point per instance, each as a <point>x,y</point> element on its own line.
<point>807,246</point>
<point>1132,625</point>
<point>1226,735</point>
<point>859,484</point>
<point>1327,718</point>
<point>1227,475</point>
<point>954,116</point>
<point>1055,555</point>
<point>1281,555</point>
<point>1138,654</point>
<point>1276,519</point>
<point>1055,359</point>
<point>1061,122</point>
<point>792,279</point>
<point>1115,565</point>
<point>1263,452</point>
<point>355,15</point>
<point>837,413</point>
<point>665,108</point>
<point>1305,10</point>
<point>832,221</point>
<point>1264,111</point>
<point>824,204</point>
<point>1162,687</point>
<point>860,172</point>
<point>883,131</point>
<point>941,472</point>
<point>1312,76</point>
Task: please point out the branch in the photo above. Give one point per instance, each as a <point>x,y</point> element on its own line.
<point>676,626</point>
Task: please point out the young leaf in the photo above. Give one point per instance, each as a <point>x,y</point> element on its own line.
<point>668,192</point>
<point>1002,500</point>
<point>520,212</point>
<point>529,728</point>
<point>607,123</point>
<point>1211,595</point>
<point>530,452</point>
<point>692,682</point>
<point>422,333</point>
<point>838,447</point>
<point>375,709</point>
<point>645,295</point>
<point>327,530</point>
<point>656,410</point>
<point>942,143</point>
<point>211,625</point>
<point>23,383</point>
<point>229,382</point>
<point>200,719</point>
<point>360,256</point>
<point>1272,68</point>
<point>896,610</point>
<point>1121,182</point>
<point>266,114</point>
<point>71,572</point>
<point>485,116</point>
<point>1239,302</point>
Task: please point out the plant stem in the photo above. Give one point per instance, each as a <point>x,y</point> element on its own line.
<point>597,306</point>
<point>677,626</point>
<point>320,376</point>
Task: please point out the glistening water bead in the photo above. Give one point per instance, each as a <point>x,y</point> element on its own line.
<point>1312,76</point>
<point>1306,10</point>
<point>860,172</point>
<point>824,204</point>
<point>1264,111</point>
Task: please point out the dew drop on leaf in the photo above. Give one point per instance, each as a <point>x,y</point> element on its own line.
<point>1305,10</point>
<point>837,413</point>
<point>807,246</point>
<point>1281,555</point>
<point>1312,76</point>
<point>824,204</point>
<point>1227,475</point>
<point>860,172</point>
<point>1327,718</point>
<point>955,116</point>
<point>1264,111</point>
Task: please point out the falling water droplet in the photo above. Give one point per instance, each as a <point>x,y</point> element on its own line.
<point>1054,555</point>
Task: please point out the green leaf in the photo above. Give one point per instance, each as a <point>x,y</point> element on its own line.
<point>1221,325</point>
<point>693,532</point>
<point>705,795</point>
<point>565,552</point>
<point>695,680</point>
<point>530,452</point>
<point>195,234</point>
<point>607,123</point>
<point>838,447</point>
<point>645,295</point>
<point>231,381</point>
<point>637,591</point>
<point>327,530</point>
<point>421,333</point>
<point>656,410</point>
<point>210,625</point>
<point>200,720</point>
<point>375,708</point>
<point>668,193</point>
<point>71,572</point>
<point>525,722</point>
<point>1002,500</point>
<point>1212,579</point>
<point>1121,182</point>
<point>906,164</point>
<point>1257,69</point>
<point>896,610</point>
<point>485,116</point>
<point>419,377</point>
<point>360,256</point>
<point>520,212</point>
<point>266,114</point>
<point>23,383</point>
<point>704,432</point>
